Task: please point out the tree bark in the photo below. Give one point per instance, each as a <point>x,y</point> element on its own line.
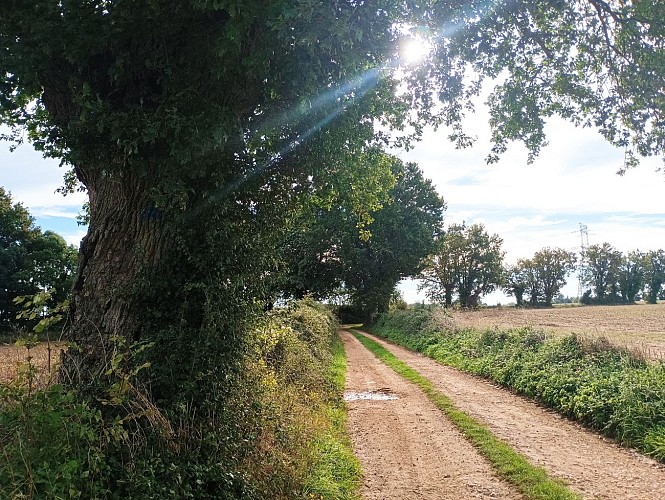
<point>519,298</point>
<point>126,237</point>
<point>654,289</point>
<point>534,297</point>
<point>449,294</point>
<point>473,300</point>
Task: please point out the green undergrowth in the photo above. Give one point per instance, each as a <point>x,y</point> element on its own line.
<point>271,426</point>
<point>530,480</point>
<point>606,388</point>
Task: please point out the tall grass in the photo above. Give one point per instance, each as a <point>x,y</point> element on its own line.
<point>604,387</point>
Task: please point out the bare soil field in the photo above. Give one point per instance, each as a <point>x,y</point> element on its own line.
<point>13,359</point>
<point>385,435</point>
<point>640,327</point>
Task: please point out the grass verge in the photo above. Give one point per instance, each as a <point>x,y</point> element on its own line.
<point>514,467</point>
<point>337,473</point>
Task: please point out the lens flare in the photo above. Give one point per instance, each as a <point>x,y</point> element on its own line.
<point>413,51</point>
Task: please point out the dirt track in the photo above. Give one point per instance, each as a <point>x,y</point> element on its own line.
<point>386,437</point>
<point>407,448</point>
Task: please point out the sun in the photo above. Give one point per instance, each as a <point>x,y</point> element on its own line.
<point>413,51</point>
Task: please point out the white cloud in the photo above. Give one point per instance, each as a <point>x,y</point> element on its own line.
<point>33,180</point>
<point>74,238</point>
<point>573,181</point>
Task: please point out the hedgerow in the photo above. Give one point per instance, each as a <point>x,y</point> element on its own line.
<point>602,386</point>
<point>272,427</point>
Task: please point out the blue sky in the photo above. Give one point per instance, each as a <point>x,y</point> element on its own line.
<point>33,180</point>
<point>530,206</point>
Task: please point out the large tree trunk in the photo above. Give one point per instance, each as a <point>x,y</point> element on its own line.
<point>654,289</point>
<point>534,296</point>
<point>473,300</point>
<point>126,238</point>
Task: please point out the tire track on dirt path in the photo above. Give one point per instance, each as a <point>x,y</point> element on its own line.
<point>589,463</point>
<point>407,448</point>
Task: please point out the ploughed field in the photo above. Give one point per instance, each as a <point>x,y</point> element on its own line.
<point>639,327</point>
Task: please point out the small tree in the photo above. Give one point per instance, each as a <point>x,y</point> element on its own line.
<point>441,272</point>
<point>326,249</point>
<point>534,285</point>
<point>517,281</point>
<point>601,271</point>
<point>654,267</point>
<point>631,275</point>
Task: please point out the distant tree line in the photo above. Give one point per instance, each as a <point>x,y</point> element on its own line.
<point>615,277</point>
<point>31,260</point>
<point>469,264</point>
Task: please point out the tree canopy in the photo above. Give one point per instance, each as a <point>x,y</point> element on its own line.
<point>600,270</point>
<point>551,266</point>
<point>469,263</point>
<point>630,279</point>
<point>654,274</point>
<point>517,280</point>
<point>326,251</point>
<point>30,260</point>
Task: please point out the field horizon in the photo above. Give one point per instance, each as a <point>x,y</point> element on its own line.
<point>639,327</point>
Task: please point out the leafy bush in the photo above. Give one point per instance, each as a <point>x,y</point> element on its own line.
<point>52,445</point>
<point>602,386</point>
<point>270,427</point>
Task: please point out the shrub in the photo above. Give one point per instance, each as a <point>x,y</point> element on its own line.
<point>269,426</point>
<point>53,446</point>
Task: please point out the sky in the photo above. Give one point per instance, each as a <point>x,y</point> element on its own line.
<point>33,180</point>
<point>573,181</point>
<point>533,206</point>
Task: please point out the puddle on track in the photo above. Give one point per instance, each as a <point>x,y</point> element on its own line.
<point>380,395</point>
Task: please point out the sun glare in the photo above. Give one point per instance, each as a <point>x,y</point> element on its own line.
<point>414,50</point>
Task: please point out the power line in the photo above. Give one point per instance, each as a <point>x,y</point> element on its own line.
<point>584,237</point>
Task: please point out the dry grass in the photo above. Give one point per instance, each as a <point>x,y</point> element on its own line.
<point>13,359</point>
<point>639,327</point>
